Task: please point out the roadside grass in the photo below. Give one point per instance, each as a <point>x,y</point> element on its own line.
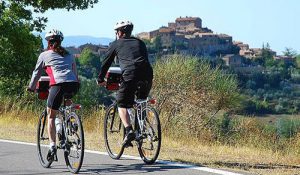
<point>21,125</point>
<point>270,118</point>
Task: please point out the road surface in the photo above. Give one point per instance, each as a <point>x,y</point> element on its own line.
<point>21,158</point>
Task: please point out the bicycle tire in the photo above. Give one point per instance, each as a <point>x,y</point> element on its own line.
<point>74,143</point>
<point>114,132</point>
<point>43,140</point>
<point>149,146</point>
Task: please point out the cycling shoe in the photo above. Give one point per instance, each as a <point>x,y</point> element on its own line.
<point>52,156</point>
<point>130,136</point>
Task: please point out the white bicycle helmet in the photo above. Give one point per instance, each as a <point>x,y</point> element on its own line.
<point>54,34</point>
<point>123,23</point>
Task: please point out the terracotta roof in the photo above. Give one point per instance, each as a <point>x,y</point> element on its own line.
<point>207,34</point>
<point>165,30</point>
<point>224,35</point>
<point>188,19</point>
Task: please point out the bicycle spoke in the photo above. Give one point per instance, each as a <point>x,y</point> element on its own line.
<point>149,146</point>
<point>113,133</point>
<point>43,140</point>
<point>74,150</point>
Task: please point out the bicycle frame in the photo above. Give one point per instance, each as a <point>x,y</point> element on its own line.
<point>140,106</point>
<point>113,119</point>
<point>138,109</point>
<point>64,112</point>
<point>139,117</point>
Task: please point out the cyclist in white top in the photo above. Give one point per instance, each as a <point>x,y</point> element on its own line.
<point>61,68</point>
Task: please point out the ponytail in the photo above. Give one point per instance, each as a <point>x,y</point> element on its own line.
<point>56,47</point>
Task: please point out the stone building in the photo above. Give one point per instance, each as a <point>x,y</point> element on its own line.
<point>250,53</point>
<point>167,36</point>
<point>232,60</point>
<point>286,59</point>
<point>209,43</point>
<point>188,31</point>
<point>188,23</point>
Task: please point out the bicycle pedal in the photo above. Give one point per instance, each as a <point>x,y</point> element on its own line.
<point>52,156</point>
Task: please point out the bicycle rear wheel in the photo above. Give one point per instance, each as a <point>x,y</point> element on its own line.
<point>149,145</point>
<point>43,140</point>
<point>114,132</point>
<point>74,146</point>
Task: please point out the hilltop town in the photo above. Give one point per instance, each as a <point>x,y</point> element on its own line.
<point>188,36</point>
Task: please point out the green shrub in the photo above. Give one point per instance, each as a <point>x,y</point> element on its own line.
<point>190,93</point>
<point>288,128</point>
<point>91,95</point>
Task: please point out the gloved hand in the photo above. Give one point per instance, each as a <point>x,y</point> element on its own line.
<point>101,82</point>
<point>29,89</point>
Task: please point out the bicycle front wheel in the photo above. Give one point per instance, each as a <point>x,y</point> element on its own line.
<point>149,145</point>
<point>74,146</point>
<point>114,132</point>
<point>43,140</point>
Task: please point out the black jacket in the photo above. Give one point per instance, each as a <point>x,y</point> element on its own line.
<point>133,59</point>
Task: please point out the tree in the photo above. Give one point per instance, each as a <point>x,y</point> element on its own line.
<point>89,63</point>
<point>298,61</point>
<point>157,43</point>
<point>289,52</point>
<point>266,56</point>
<point>19,48</point>
<point>40,6</point>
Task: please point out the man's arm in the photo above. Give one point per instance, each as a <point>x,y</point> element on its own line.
<point>109,58</point>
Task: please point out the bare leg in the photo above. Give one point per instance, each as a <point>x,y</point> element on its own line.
<point>51,125</point>
<point>126,122</point>
<point>124,116</point>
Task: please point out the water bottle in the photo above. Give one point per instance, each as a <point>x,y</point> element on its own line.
<point>58,125</point>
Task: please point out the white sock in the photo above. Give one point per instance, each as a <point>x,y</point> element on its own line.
<point>52,144</point>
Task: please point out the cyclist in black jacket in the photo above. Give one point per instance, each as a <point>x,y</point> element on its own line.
<point>133,59</point>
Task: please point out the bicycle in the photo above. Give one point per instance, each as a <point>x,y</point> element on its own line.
<point>71,138</point>
<point>146,124</point>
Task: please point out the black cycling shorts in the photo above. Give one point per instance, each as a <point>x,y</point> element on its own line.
<point>58,91</point>
<point>128,90</point>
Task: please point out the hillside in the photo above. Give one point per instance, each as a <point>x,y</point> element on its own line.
<point>78,40</point>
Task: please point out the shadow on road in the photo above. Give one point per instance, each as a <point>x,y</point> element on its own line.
<point>127,169</point>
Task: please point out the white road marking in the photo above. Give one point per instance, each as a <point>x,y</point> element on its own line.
<point>206,169</point>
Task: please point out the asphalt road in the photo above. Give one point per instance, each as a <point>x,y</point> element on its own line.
<point>21,158</point>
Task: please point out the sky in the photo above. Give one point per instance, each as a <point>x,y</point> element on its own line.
<point>255,22</point>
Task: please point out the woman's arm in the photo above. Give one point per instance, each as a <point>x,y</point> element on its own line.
<point>36,74</point>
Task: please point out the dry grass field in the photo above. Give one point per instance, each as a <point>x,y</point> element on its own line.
<point>21,126</point>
